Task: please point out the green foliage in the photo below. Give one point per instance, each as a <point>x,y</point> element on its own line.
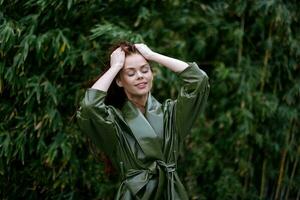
<point>246,146</point>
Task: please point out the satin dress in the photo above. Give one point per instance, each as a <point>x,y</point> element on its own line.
<point>144,147</point>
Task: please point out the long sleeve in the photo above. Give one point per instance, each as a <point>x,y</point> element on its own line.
<point>191,99</point>
<point>97,120</point>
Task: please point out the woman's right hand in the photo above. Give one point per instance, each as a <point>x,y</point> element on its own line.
<point>117,58</point>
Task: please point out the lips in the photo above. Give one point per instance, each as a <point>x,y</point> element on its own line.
<point>141,85</point>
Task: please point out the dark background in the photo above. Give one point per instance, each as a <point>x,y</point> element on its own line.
<point>244,146</point>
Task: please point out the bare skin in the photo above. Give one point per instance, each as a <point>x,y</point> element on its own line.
<point>117,59</point>
<point>173,64</point>
<point>136,76</point>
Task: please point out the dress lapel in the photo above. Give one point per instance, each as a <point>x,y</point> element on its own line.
<point>146,132</point>
<point>154,115</point>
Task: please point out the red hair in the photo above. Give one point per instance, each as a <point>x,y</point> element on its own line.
<point>115,94</point>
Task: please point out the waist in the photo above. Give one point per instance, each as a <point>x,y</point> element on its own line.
<point>136,179</point>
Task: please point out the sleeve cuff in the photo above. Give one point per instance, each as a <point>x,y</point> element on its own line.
<point>94,96</point>
<point>192,71</point>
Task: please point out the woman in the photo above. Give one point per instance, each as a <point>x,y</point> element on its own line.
<point>142,137</point>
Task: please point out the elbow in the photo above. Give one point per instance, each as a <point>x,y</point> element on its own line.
<point>203,78</point>
<point>85,108</point>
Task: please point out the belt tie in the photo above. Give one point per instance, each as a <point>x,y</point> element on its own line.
<point>136,179</point>
<point>169,169</point>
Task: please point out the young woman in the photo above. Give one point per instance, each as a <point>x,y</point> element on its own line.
<point>142,137</point>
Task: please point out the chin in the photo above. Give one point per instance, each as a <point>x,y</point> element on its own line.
<point>138,92</point>
<point>141,93</point>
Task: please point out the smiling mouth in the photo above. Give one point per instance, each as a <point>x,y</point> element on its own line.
<point>141,85</point>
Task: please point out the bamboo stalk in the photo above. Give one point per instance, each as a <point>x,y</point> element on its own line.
<point>282,162</point>
<point>263,179</point>
<point>240,51</point>
<point>248,177</point>
<point>284,186</point>
<point>266,60</point>
<point>293,172</point>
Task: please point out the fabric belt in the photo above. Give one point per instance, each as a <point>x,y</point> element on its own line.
<point>136,179</point>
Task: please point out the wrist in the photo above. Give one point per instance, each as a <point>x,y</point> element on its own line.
<point>115,68</point>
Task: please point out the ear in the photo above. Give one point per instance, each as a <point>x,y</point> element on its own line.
<point>119,82</point>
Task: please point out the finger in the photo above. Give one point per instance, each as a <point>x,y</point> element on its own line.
<point>138,45</point>
<point>117,49</point>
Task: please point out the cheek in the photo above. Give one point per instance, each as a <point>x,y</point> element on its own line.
<point>150,77</point>
<point>128,81</point>
<point>150,80</point>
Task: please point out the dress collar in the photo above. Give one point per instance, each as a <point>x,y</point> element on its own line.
<point>148,128</point>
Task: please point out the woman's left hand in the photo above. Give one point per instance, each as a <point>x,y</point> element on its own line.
<point>145,51</point>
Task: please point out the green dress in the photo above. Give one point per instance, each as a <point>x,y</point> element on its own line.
<point>144,147</point>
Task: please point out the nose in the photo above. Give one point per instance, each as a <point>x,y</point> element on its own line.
<point>139,75</point>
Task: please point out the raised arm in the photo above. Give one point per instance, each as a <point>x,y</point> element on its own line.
<point>94,117</point>
<point>194,91</point>
<point>117,59</point>
<point>173,64</point>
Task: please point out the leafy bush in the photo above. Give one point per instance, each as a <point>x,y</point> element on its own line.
<point>245,146</point>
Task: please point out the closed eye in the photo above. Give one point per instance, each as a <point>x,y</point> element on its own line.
<point>145,69</point>
<point>130,73</point>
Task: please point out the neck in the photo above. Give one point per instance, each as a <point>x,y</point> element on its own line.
<point>139,101</point>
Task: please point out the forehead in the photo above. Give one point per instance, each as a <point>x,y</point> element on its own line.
<point>134,61</point>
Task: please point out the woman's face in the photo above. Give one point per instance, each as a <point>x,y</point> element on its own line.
<point>136,76</point>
